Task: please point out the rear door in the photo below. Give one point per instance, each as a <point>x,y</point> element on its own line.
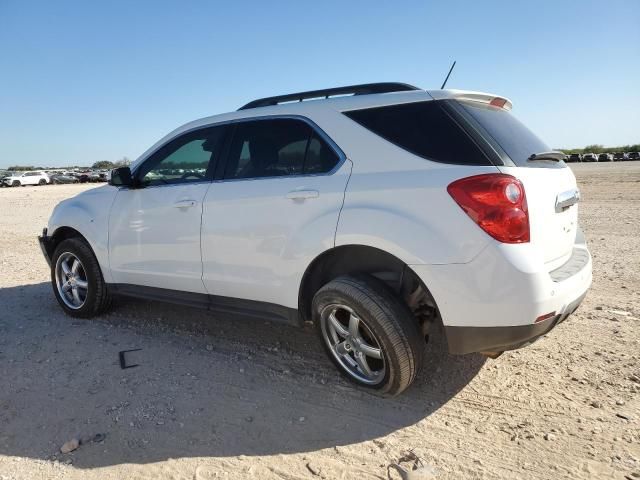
<point>550,186</point>
<point>272,209</point>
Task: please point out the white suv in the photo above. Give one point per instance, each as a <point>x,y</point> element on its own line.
<point>373,211</point>
<point>26,178</point>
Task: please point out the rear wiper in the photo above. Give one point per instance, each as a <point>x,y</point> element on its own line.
<point>554,156</point>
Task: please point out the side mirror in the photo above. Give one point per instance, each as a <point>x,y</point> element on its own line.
<point>121,177</point>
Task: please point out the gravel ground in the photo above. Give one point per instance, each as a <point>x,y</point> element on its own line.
<point>244,399</point>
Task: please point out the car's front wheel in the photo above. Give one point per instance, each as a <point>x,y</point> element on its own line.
<point>15,183</point>
<point>77,279</point>
<point>369,333</point>
<point>42,182</point>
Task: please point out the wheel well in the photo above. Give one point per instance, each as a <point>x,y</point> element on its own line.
<point>61,234</point>
<point>351,259</point>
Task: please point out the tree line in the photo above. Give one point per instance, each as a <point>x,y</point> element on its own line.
<point>595,148</point>
<point>101,165</point>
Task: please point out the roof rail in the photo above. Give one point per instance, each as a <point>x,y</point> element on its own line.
<point>364,89</point>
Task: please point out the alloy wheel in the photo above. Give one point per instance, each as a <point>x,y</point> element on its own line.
<point>353,344</point>
<point>71,280</point>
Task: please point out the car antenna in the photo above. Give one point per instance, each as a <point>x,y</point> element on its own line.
<point>450,70</point>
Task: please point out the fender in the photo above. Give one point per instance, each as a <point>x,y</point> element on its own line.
<point>409,238</point>
<point>88,213</point>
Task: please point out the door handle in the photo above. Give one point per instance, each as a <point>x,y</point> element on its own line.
<point>185,203</point>
<point>302,194</point>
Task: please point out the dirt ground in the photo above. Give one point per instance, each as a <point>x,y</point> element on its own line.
<point>245,399</point>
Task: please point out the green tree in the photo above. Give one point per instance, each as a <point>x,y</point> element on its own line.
<point>20,168</point>
<point>595,148</point>
<point>104,164</point>
<point>123,162</point>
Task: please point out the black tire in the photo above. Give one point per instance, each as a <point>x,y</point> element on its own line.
<point>98,299</point>
<point>42,182</point>
<point>15,183</point>
<point>387,317</point>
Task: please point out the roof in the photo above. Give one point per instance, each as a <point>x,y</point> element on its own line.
<point>316,105</point>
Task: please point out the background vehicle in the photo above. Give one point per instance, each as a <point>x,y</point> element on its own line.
<point>619,156</point>
<point>374,214</point>
<point>605,157</point>
<point>26,178</point>
<point>575,157</point>
<point>633,156</point>
<point>589,157</point>
<point>83,177</point>
<point>4,174</point>
<point>59,179</point>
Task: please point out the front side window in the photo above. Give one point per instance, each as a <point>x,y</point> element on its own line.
<point>186,159</point>
<point>277,148</point>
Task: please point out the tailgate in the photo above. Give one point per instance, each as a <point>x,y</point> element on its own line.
<point>550,186</point>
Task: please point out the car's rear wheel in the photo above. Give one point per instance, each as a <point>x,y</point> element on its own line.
<point>77,280</point>
<point>369,333</point>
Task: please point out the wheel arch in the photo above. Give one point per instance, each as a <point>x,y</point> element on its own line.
<point>352,259</point>
<point>65,232</point>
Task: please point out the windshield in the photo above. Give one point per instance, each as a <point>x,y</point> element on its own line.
<point>517,141</point>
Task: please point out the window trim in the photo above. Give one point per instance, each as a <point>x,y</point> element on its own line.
<point>220,167</point>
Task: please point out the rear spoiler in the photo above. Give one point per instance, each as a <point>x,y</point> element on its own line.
<point>479,97</point>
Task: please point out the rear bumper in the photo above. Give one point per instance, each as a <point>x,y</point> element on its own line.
<point>46,245</point>
<point>492,302</point>
<point>463,340</point>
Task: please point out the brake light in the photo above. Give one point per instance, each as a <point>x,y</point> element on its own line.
<point>497,203</point>
<point>498,102</point>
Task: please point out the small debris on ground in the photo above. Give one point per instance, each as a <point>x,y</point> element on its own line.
<point>70,446</point>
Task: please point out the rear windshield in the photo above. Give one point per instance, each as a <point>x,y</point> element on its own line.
<point>424,129</point>
<point>518,142</point>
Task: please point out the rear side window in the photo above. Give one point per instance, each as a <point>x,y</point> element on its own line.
<point>518,142</point>
<point>320,157</point>
<point>277,148</point>
<point>424,129</point>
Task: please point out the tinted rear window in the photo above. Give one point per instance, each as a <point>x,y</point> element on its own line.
<point>518,142</point>
<point>424,129</point>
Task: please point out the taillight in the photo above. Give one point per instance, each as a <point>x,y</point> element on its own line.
<point>497,203</point>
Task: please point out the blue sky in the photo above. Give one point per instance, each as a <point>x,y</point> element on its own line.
<point>87,81</point>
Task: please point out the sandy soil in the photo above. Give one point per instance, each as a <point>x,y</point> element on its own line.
<point>247,399</point>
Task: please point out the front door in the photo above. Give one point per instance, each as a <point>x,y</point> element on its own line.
<point>154,228</point>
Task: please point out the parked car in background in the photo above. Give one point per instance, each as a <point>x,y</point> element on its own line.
<point>95,177</point>
<point>589,157</point>
<point>633,156</point>
<point>83,177</point>
<point>4,174</point>
<point>605,157</point>
<point>18,179</point>
<point>59,179</point>
<point>619,157</point>
<point>574,157</point>
<point>281,211</point>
